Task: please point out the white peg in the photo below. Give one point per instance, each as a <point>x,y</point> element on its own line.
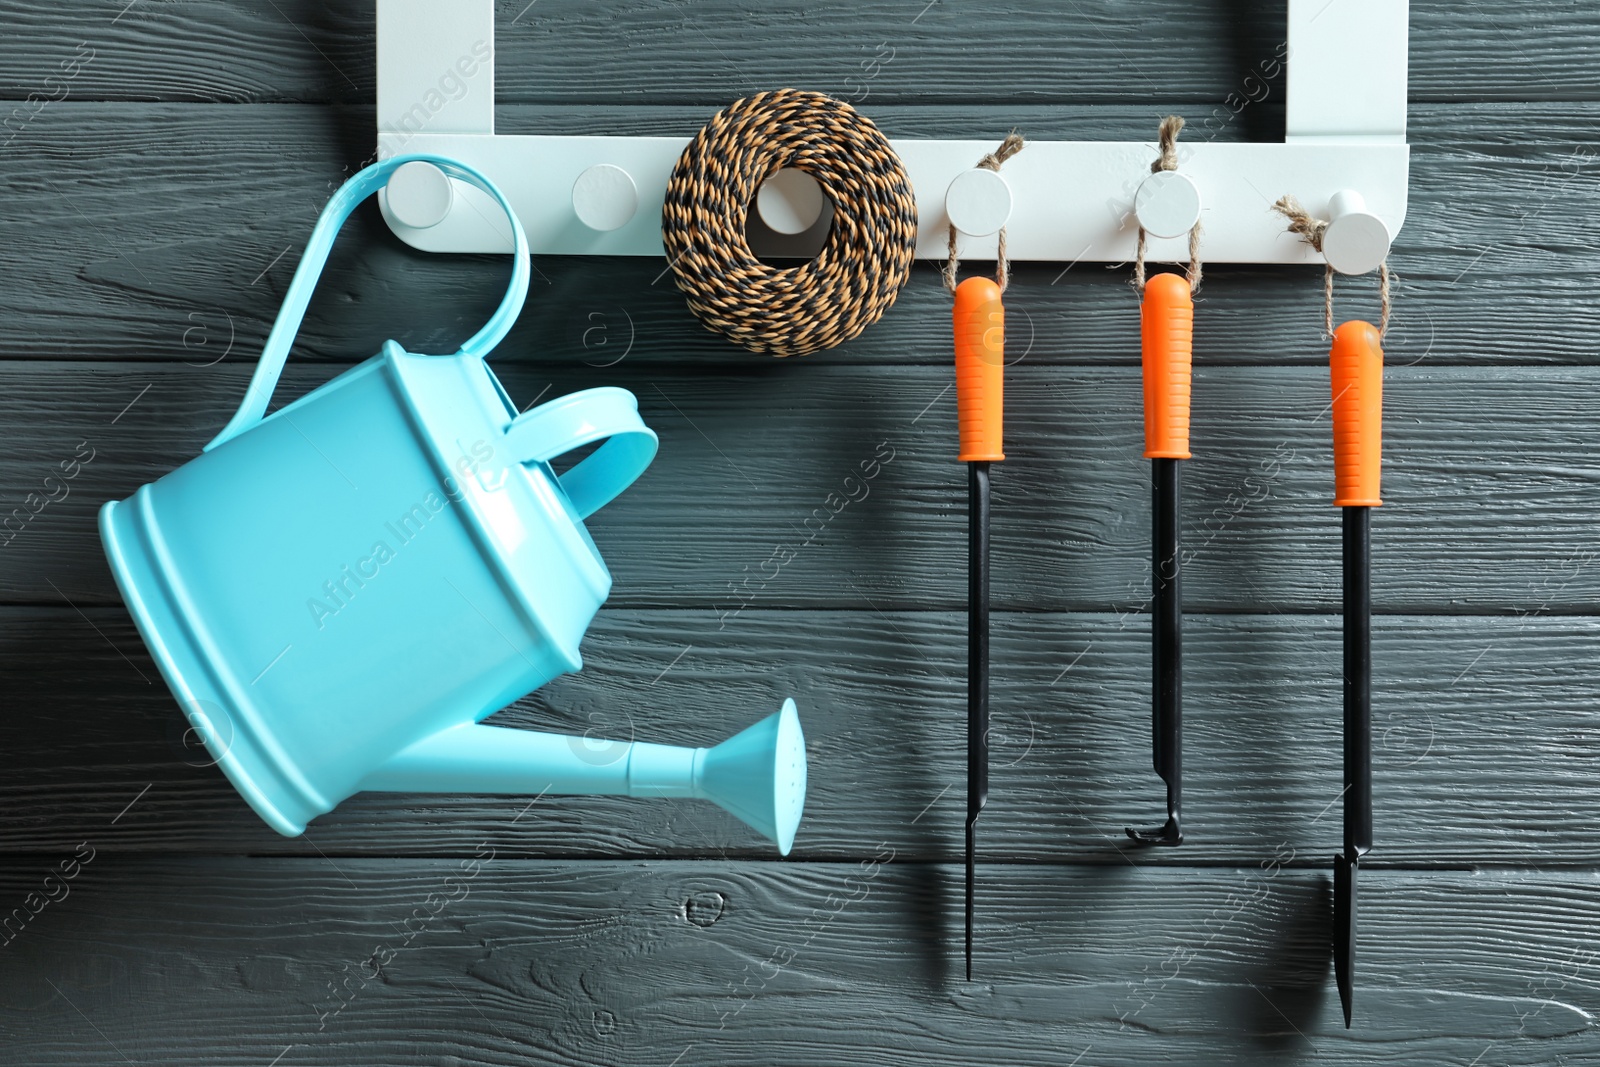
<point>419,194</point>
<point>1167,203</point>
<point>604,197</point>
<point>978,202</point>
<point>1356,240</point>
<point>790,201</point>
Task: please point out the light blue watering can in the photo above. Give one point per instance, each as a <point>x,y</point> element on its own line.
<point>338,592</point>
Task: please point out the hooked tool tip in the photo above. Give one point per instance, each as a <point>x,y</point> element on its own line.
<point>1169,833</point>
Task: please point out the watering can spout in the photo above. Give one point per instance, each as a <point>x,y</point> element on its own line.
<point>758,775</point>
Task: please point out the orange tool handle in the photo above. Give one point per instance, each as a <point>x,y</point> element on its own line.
<point>1357,364</point>
<point>980,322</point>
<point>1166,329</point>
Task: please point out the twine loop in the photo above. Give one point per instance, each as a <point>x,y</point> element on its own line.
<point>1167,159</point>
<point>868,253</point>
<point>1002,269</point>
<point>1312,230</point>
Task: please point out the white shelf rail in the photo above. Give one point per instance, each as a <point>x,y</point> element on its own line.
<point>1345,157</point>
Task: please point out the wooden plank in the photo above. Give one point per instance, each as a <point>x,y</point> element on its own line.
<point>162,258</point>
<point>890,51</point>
<point>778,451</point>
<point>208,52</point>
<point>494,961</point>
<point>1484,741</point>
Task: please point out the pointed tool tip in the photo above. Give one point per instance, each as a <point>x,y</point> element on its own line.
<point>1344,933</point>
<point>972,867</point>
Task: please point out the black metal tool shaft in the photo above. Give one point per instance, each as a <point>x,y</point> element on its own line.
<point>1166,640</point>
<point>1166,341</point>
<point>977,669</point>
<point>1357,745</point>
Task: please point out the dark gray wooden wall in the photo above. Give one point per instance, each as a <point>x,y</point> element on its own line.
<point>152,216</point>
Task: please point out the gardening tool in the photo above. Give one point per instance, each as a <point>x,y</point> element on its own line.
<point>338,592</point>
<point>1357,371</point>
<point>980,398</point>
<point>1166,336</point>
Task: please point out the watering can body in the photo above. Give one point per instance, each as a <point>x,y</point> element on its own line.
<point>375,562</point>
<point>338,592</point>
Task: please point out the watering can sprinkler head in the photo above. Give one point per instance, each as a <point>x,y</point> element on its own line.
<point>758,775</point>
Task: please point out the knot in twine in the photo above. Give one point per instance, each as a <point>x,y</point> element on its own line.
<point>1171,126</point>
<point>993,161</point>
<point>1312,230</point>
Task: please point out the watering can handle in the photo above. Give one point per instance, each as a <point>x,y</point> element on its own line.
<point>606,414</point>
<point>350,194</point>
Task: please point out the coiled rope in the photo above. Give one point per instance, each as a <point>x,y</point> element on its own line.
<point>865,260</point>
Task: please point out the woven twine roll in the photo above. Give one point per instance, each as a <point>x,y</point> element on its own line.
<point>862,266</point>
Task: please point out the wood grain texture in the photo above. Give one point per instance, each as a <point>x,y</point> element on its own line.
<point>1486,733</point>
<point>412,962</point>
<point>611,52</point>
<point>146,246</point>
<point>771,459</point>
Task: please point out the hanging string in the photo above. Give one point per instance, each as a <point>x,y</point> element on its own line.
<point>1311,230</point>
<point>1171,126</point>
<point>1385,299</point>
<point>993,161</point>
